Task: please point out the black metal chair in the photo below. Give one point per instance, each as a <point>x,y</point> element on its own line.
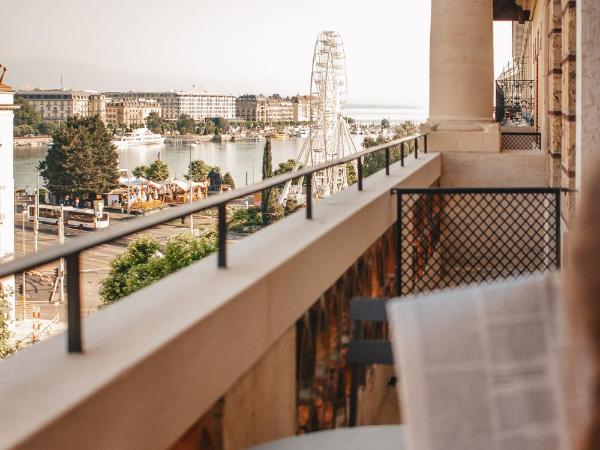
<point>363,352</point>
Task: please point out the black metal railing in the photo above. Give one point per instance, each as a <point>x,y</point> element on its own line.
<point>71,250</point>
<point>521,141</point>
<point>515,101</point>
<point>449,237</point>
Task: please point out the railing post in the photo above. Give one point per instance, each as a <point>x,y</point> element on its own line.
<point>416,148</point>
<point>360,174</point>
<point>425,143</point>
<point>309,196</point>
<point>402,154</point>
<point>74,344</point>
<point>222,227</point>
<point>398,243</point>
<point>387,161</point>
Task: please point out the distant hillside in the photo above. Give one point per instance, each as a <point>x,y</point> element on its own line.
<point>46,73</point>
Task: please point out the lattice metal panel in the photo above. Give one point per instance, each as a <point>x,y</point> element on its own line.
<point>454,237</point>
<point>521,141</point>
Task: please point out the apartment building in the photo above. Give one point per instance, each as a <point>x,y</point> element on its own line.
<point>302,108</point>
<point>266,109</point>
<point>197,105</point>
<point>56,105</point>
<point>130,112</point>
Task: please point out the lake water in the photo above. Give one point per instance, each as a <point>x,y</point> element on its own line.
<point>241,158</point>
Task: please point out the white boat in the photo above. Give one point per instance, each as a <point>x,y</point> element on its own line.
<point>139,136</point>
<point>256,138</point>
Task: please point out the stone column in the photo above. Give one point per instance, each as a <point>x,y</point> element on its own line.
<point>588,92</point>
<point>7,192</point>
<point>461,79</point>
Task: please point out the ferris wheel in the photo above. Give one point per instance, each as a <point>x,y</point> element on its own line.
<point>329,137</point>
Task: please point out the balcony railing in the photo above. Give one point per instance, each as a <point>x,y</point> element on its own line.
<point>450,237</point>
<point>521,141</point>
<point>71,251</point>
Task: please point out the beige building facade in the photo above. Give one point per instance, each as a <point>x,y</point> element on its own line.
<point>131,112</point>
<point>546,48</point>
<point>199,106</point>
<point>56,105</point>
<point>302,108</point>
<point>275,108</point>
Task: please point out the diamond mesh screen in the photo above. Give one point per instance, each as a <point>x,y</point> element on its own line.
<point>521,141</point>
<point>449,238</point>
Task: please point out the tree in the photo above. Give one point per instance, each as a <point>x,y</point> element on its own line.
<point>140,171</point>
<point>26,114</point>
<point>23,130</point>
<point>198,171</point>
<point>284,167</point>
<point>209,127</point>
<point>376,161</point>
<point>385,123</point>
<point>228,179</point>
<point>245,220</point>
<point>350,120</point>
<point>215,178</point>
<point>268,204</point>
<point>185,124</point>
<point>155,123</point>
<point>6,347</point>
<point>145,261</point>
<point>82,160</point>
<point>47,127</point>
<point>158,172</point>
<point>406,128</point>
<point>221,124</point>
<point>351,175</point>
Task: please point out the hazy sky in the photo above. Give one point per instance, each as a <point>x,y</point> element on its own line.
<point>234,46</point>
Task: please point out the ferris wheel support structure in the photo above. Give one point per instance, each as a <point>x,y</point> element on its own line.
<point>329,137</point>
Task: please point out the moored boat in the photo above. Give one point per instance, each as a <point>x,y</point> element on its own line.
<point>139,136</point>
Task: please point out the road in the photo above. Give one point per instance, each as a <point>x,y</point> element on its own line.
<point>95,263</point>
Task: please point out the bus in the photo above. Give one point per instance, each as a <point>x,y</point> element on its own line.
<point>73,217</point>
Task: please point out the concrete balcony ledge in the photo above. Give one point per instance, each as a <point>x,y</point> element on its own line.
<point>156,361</point>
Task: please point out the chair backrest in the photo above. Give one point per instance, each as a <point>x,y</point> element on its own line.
<point>368,351</point>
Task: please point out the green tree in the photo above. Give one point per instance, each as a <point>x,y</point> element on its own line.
<point>6,347</point>
<point>406,128</point>
<point>158,172</point>
<point>155,123</point>
<point>215,178</point>
<point>47,127</point>
<point>209,127</point>
<point>198,171</point>
<point>385,123</point>
<point>185,124</point>
<point>228,179</point>
<point>351,175</point>
<point>285,167</point>
<point>268,205</point>
<point>140,171</point>
<point>376,161</point>
<point>23,130</point>
<point>222,125</point>
<point>82,160</point>
<point>26,114</point>
<point>146,261</point>
<point>245,220</point>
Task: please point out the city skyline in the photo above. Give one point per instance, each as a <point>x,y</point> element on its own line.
<point>238,48</point>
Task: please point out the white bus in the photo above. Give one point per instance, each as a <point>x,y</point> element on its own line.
<point>73,217</point>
